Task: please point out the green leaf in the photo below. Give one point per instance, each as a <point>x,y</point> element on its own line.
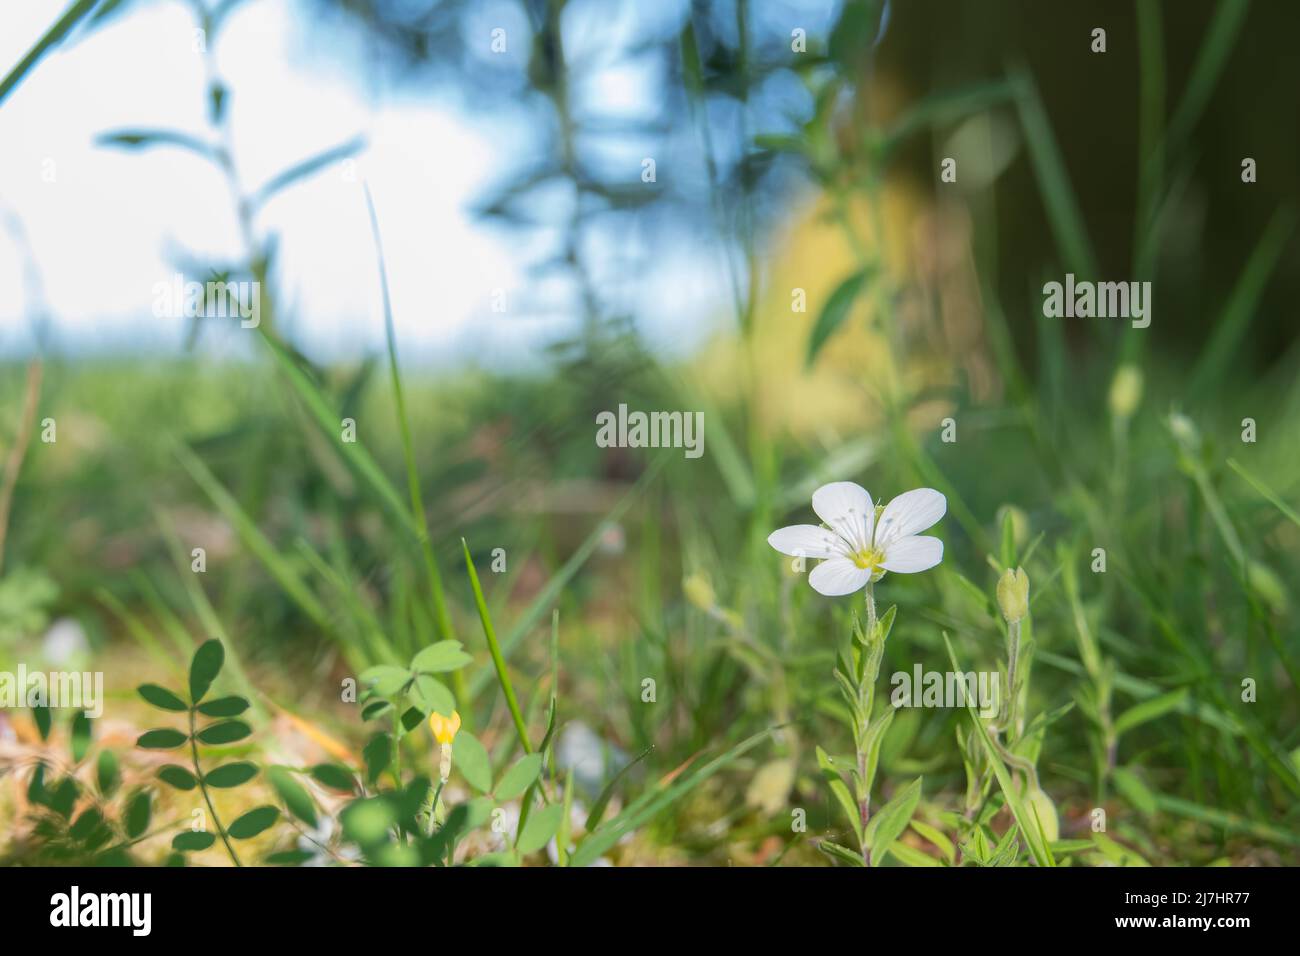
<point>938,838</point>
<point>148,138</point>
<point>63,797</point>
<point>375,709</point>
<point>138,813</point>
<point>385,680</point>
<point>1149,710</point>
<point>226,732</point>
<point>539,829</point>
<point>471,758</point>
<point>875,738</point>
<point>306,168</point>
<point>430,694</point>
<point>378,754</point>
<point>833,315</point>
<point>835,781</point>
<point>161,697</point>
<point>334,776</point>
<point>192,841</point>
<point>224,707</point>
<point>440,657</point>
<point>891,820</point>
<point>253,822</point>
<point>43,721</point>
<point>178,777</point>
<point>86,824</point>
<point>36,792</point>
<point>841,853</point>
<point>1135,791</point>
<point>295,797</point>
<point>1118,854</point>
<point>519,777</point>
<point>230,775</point>
<point>205,667</point>
<point>886,623</point>
<point>1008,541</point>
<point>81,733</point>
<point>911,856</point>
<point>161,739</point>
<point>366,822</point>
<point>106,772</point>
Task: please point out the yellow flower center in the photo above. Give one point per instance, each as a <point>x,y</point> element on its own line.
<point>869,559</point>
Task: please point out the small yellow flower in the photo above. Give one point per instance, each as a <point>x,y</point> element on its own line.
<point>444,728</point>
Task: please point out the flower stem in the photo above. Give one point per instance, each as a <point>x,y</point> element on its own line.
<point>865,694</point>
<point>198,772</point>
<point>1013,660</point>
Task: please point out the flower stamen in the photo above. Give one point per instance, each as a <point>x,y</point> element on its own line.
<point>869,559</point>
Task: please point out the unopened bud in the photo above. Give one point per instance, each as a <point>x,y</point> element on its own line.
<point>1125,392</point>
<point>699,592</point>
<point>1013,594</point>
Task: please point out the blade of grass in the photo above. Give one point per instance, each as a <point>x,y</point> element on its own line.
<point>498,661</point>
<point>1240,308</point>
<point>253,538</point>
<point>445,630</point>
<point>1220,38</point>
<point>1053,180</point>
<point>1269,495</point>
<point>208,616</point>
<point>53,36</point>
<point>645,807</point>
<point>550,591</point>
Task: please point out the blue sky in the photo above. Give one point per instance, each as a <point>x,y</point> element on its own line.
<point>100,226</point>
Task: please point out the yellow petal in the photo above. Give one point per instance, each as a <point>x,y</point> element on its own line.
<point>444,728</point>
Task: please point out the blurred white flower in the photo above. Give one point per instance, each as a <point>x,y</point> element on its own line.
<point>65,642</point>
<point>856,546</point>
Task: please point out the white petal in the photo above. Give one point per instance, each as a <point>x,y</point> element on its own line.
<point>912,554</point>
<point>910,513</point>
<point>838,576</point>
<point>848,510</point>
<point>807,541</point>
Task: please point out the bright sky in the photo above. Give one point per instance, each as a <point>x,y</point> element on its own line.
<point>102,224</point>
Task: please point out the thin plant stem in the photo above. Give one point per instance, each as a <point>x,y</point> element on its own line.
<point>868,682</point>
<point>198,772</point>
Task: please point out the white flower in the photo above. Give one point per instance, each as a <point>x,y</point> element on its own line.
<point>856,545</point>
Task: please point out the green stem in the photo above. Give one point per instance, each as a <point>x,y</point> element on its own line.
<point>868,683</point>
<point>198,773</point>
<point>1013,661</point>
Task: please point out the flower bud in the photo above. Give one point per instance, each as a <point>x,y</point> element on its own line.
<point>699,592</point>
<point>1040,805</point>
<point>1013,594</point>
<point>1125,392</point>
<point>1184,431</point>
